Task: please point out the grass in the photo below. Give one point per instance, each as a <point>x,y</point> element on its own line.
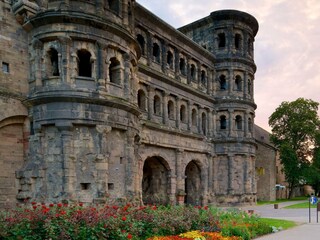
<point>301,205</point>
<point>284,224</point>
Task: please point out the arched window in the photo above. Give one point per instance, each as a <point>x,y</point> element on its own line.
<point>238,122</point>
<point>170,59</point>
<point>238,83</point>
<point>223,122</point>
<point>223,82</point>
<point>84,63</point>
<point>183,114</point>
<point>157,105</point>
<point>221,40</point>
<point>193,72</point>
<point>141,42</point>
<point>194,117</point>
<point>204,123</point>
<point>237,41</point>
<point>203,78</point>
<point>115,71</point>
<point>249,125</point>
<point>156,52</point>
<point>170,110</point>
<point>114,6</point>
<point>142,100</point>
<point>249,86</point>
<point>182,66</point>
<point>53,67</point>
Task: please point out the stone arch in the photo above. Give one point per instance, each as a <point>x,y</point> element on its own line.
<point>155,181</point>
<point>193,183</point>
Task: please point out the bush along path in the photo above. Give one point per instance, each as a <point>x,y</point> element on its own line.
<point>78,221</point>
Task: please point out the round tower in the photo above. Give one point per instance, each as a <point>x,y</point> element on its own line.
<point>82,106</point>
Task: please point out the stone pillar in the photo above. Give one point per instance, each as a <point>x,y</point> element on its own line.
<point>230,189</point>
<point>127,76</point>
<point>149,49</point>
<point>188,71</point>
<point>230,123</point>
<point>230,81</point>
<point>246,116</point>
<point>210,75</point>
<point>102,56</point>
<point>178,112</point>
<point>99,7</point>
<point>37,46</point>
<point>209,123</point>
<point>165,108</point>
<point>214,123</point>
<point>198,75</point>
<point>180,182</point>
<point>205,181</point>
<point>199,120</point>
<point>66,74</point>
<point>164,56</point>
<point>177,64</point>
<point>245,85</point>
<point>150,102</point>
<point>69,171</point>
<point>189,115</point>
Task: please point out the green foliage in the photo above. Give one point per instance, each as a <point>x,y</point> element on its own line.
<point>62,221</point>
<point>295,126</point>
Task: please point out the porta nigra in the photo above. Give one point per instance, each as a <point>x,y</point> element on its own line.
<point>101,99</point>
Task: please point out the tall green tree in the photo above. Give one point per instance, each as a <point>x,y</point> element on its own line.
<point>294,128</point>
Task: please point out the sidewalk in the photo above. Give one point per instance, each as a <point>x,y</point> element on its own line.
<point>303,231</point>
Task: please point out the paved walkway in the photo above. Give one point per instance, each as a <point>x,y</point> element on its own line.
<point>304,231</point>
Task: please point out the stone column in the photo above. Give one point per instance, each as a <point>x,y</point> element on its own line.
<point>164,56</point>
<point>178,112</point>
<point>230,122</point>
<point>230,81</point>
<point>102,56</point>
<point>198,75</point>
<point>188,71</point>
<point>177,64</point>
<point>127,76</point>
<point>69,171</point>
<point>230,189</point>
<point>209,123</point>
<point>180,183</point>
<point>210,75</point>
<point>246,116</point>
<point>66,64</point>
<point>149,49</point>
<point>165,108</point>
<point>245,85</point>
<point>189,115</point>
<point>99,7</point>
<point>214,123</point>
<point>150,102</point>
<point>37,46</point>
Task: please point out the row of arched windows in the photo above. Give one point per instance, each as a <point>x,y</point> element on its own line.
<point>238,83</point>
<point>185,69</point>
<point>84,65</point>
<point>183,113</point>
<point>237,42</point>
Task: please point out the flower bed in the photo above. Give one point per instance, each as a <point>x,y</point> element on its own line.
<point>77,221</point>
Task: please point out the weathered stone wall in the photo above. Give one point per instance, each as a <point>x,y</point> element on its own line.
<point>129,108</point>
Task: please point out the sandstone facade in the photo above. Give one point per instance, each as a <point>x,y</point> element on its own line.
<point>103,100</point>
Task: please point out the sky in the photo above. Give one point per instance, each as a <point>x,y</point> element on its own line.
<point>287,45</point>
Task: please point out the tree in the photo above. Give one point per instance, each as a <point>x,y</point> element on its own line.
<point>294,129</point>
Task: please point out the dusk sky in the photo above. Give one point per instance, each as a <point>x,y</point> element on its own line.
<point>287,46</point>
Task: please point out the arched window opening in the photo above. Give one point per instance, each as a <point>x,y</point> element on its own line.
<point>156,52</point>
<point>193,72</point>
<point>221,40</point>
<point>223,122</point>
<point>183,114</point>
<point>238,122</point>
<point>182,66</point>
<point>157,105</point>
<point>237,41</point>
<point>142,100</point>
<point>203,78</point>
<point>114,6</point>
<point>54,62</point>
<point>194,117</point>
<point>141,42</point>
<point>115,71</point>
<point>249,86</point>
<point>84,63</point>
<point>204,123</point>
<point>223,82</point>
<point>249,125</point>
<point>238,83</point>
<point>170,110</point>
<point>170,59</point>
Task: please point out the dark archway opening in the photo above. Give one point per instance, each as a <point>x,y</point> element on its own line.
<point>155,182</point>
<point>193,184</point>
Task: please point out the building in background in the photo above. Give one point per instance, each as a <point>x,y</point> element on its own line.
<point>102,99</point>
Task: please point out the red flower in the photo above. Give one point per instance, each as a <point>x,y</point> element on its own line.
<point>124,218</point>
<point>51,205</point>
<point>33,203</point>
<point>129,236</point>
<point>34,207</point>
<point>59,204</point>
<point>80,204</point>
<point>205,207</point>
<point>154,208</point>
<point>63,212</point>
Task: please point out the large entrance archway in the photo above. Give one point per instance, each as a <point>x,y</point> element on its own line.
<point>193,184</point>
<point>155,181</point>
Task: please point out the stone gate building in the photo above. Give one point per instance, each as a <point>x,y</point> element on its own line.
<point>102,99</point>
